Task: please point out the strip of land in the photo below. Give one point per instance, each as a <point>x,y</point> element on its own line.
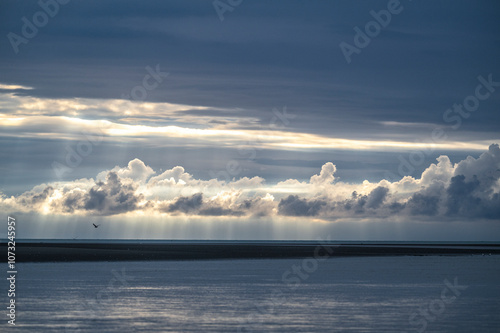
<point>113,250</point>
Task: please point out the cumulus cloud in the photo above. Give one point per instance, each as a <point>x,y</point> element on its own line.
<point>422,204</point>
<point>135,170</point>
<point>486,168</point>
<point>325,176</point>
<point>465,190</point>
<point>196,205</point>
<point>440,172</point>
<point>186,204</point>
<point>295,206</point>
<point>171,176</point>
<point>108,197</point>
<point>376,197</point>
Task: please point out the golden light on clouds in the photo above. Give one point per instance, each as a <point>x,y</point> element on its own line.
<point>35,117</point>
<point>58,127</point>
<point>13,87</point>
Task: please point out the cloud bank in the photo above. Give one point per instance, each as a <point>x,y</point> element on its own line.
<point>116,120</point>
<point>467,190</point>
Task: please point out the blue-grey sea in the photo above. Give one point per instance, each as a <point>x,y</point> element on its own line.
<point>344,294</point>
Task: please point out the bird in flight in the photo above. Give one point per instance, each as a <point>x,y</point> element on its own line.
<point>95,225</point>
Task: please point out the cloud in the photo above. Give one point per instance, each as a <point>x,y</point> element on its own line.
<point>421,204</point>
<point>195,205</point>
<point>466,198</point>
<point>442,171</point>
<point>486,168</point>
<point>219,211</point>
<point>461,198</point>
<point>171,176</point>
<point>295,206</point>
<point>34,198</point>
<point>361,204</point>
<point>376,197</point>
<point>468,189</point>
<point>259,206</point>
<point>121,120</point>
<point>107,198</point>
<point>186,204</point>
<point>325,176</point>
<point>136,170</point>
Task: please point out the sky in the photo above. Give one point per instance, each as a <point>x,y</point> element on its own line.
<point>239,119</point>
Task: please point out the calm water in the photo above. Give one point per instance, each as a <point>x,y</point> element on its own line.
<point>379,294</point>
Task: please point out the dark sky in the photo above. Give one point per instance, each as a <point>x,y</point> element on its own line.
<point>267,54</point>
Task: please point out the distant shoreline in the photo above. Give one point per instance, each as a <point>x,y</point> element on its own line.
<point>116,250</point>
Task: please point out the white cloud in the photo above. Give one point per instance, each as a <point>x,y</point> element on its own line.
<point>325,176</point>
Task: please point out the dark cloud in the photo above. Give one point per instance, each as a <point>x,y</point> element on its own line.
<point>460,196</point>
<point>466,200</point>
<point>194,205</point>
<point>423,204</point>
<point>72,202</point>
<point>186,204</point>
<point>104,198</point>
<point>219,211</point>
<point>376,197</point>
<point>485,169</point>
<point>356,203</point>
<point>360,203</point>
<point>32,198</point>
<point>295,206</point>
<point>111,197</point>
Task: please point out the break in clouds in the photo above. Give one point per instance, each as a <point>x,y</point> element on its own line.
<point>464,190</point>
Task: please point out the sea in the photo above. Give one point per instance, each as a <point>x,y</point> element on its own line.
<point>338,294</point>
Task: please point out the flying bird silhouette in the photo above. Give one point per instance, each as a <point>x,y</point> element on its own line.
<point>95,226</point>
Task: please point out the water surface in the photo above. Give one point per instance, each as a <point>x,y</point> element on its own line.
<point>350,294</point>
